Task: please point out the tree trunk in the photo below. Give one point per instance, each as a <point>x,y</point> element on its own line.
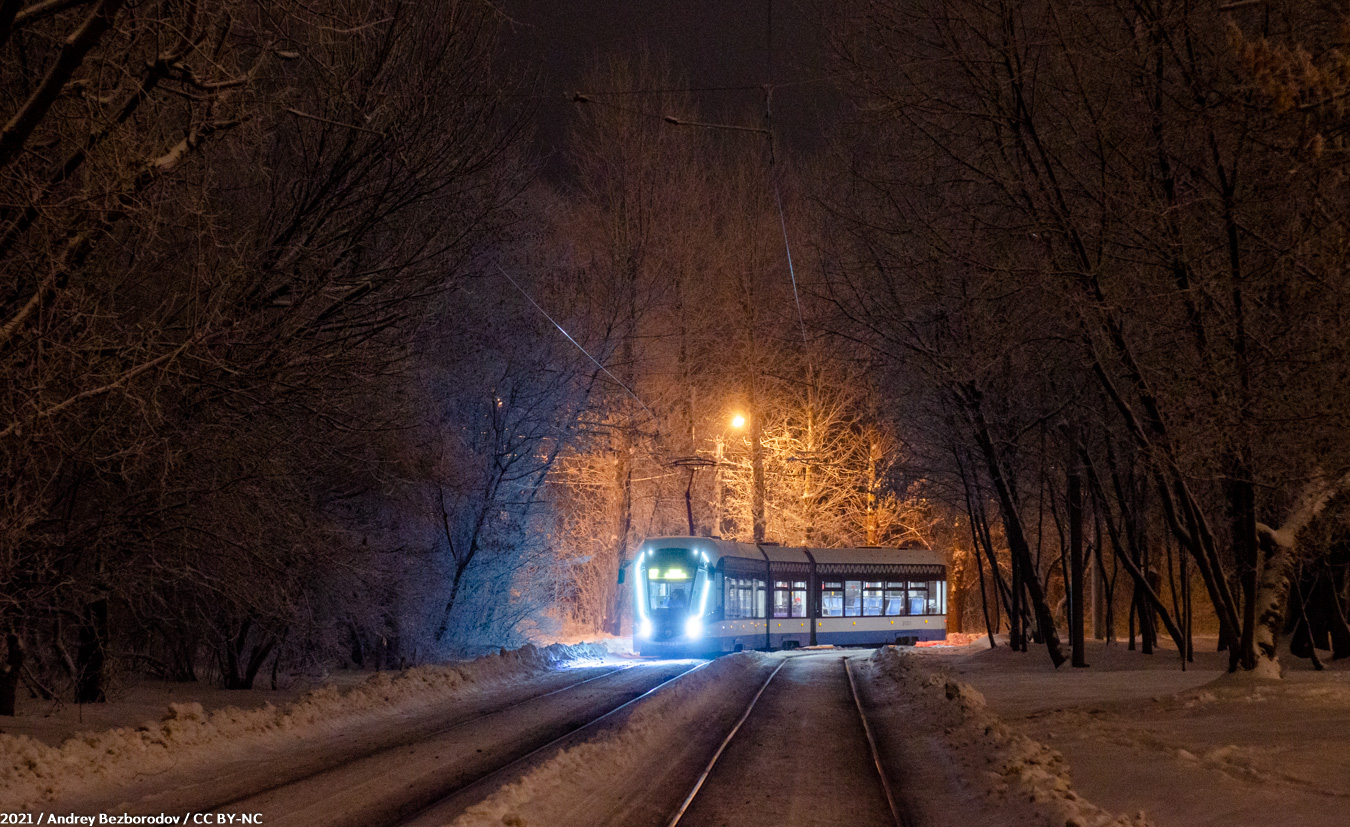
<point>623,478</point>
<point>980,528</point>
<point>9,675</point>
<point>238,671</point>
<point>1242,520</point>
<point>90,655</point>
<point>956,609</point>
<point>984,595</point>
<point>1012,523</point>
<point>1337,627</point>
<point>1144,599</point>
<point>756,476</point>
<point>1076,595</point>
<point>1272,593</point>
<point>1272,596</point>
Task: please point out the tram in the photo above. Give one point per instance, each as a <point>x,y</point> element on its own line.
<point>701,596</point>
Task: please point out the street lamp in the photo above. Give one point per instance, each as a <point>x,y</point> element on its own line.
<point>738,422</point>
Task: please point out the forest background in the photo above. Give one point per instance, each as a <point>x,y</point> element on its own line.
<point>309,363</point>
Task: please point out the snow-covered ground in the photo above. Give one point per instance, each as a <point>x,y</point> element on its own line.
<point>1192,748</point>
<point>189,745</point>
<point>628,773</point>
<point>976,769</point>
<point>575,635</point>
<point>968,735</point>
<point>956,763</point>
<point>973,735</point>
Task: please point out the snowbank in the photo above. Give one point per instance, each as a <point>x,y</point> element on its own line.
<point>33,774</point>
<point>617,645</point>
<point>1194,749</point>
<point>1013,770</point>
<point>956,639</point>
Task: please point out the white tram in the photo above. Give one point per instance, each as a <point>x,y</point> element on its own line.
<point>696,596</point>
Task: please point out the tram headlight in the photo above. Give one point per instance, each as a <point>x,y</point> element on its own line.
<point>693,628</point>
<point>644,628</point>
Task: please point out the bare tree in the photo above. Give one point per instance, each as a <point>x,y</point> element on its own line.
<point>222,249</point>
<point>1140,194</point>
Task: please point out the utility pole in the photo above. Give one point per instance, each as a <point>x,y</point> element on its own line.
<point>756,474</point>
<point>872,449</point>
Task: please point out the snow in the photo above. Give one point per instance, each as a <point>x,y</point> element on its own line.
<point>989,773</point>
<point>569,635</point>
<point>969,734</point>
<point>1191,749</point>
<point>189,740</point>
<point>595,781</point>
<point>805,735</point>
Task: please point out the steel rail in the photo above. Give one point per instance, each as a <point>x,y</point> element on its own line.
<point>483,779</point>
<point>419,739</point>
<point>698,785</point>
<point>872,743</point>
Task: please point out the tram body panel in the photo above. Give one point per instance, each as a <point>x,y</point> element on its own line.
<point>846,631</point>
<point>701,596</point>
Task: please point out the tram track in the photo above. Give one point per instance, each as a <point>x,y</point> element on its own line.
<point>422,737</point>
<point>872,746</point>
<point>803,707</point>
<point>712,762</point>
<point>391,784</point>
<point>454,801</point>
<point>265,770</point>
<point>681,816</point>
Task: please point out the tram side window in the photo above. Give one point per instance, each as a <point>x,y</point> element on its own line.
<point>852,598</point>
<point>737,601</point>
<point>871,599</point>
<point>744,598</point>
<point>895,599</point>
<point>918,597</point>
<point>789,598</point>
<point>937,597</point>
<point>832,599</point>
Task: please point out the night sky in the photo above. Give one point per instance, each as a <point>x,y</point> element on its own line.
<point>714,43</point>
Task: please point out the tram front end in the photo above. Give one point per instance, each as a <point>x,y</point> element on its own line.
<point>671,594</point>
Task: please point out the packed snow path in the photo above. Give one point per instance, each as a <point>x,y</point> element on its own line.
<point>800,758</point>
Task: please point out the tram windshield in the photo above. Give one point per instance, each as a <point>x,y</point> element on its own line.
<point>667,595</point>
<point>671,576</point>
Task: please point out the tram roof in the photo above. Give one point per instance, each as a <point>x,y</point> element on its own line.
<point>716,548</point>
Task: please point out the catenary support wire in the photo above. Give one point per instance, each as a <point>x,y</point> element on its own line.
<point>564,332</point>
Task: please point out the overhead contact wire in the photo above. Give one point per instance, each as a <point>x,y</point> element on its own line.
<point>564,332</point>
